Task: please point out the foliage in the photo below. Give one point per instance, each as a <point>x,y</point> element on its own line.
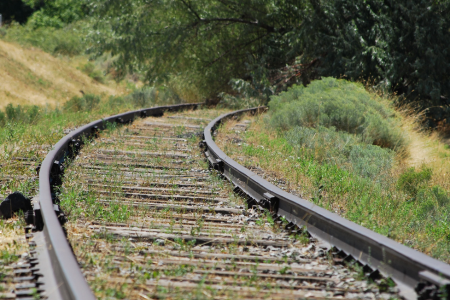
<point>340,104</point>
<point>244,96</point>
<point>271,44</point>
<point>56,13</point>
<point>147,97</point>
<point>411,181</point>
<point>400,44</point>
<point>206,42</point>
<point>431,201</point>
<point>66,41</point>
<point>19,114</point>
<point>90,69</point>
<point>342,149</point>
<point>86,103</point>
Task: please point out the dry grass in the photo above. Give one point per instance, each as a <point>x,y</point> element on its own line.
<point>31,76</point>
<point>425,148</point>
<point>12,235</point>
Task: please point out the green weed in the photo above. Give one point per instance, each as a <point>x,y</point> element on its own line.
<point>411,181</point>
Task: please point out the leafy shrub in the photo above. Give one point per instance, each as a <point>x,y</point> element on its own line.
<point>86,103</point>
<point>336,103</point>
<point>411,181</point>
<point>342,149</point>
<point>93,72</point>
<point>19,114</point>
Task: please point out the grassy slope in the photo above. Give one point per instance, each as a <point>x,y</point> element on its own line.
<point>31,76</point>
<point>388,211</point>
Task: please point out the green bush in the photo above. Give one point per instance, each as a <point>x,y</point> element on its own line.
<point>337,103</point>
<point>411,181</point>
<point>19,114</point>
<point>342,149</point>
<point>86,103</point>
<point>90,70</point>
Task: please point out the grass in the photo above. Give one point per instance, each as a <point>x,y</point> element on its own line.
<point>31,76</point>
<point>400,193</point>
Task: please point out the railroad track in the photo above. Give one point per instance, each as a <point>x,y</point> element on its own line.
<point>150,217</point>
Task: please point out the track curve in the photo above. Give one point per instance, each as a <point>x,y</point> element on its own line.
<point>273,250</point>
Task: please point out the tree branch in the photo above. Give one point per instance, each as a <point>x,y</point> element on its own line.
<point>240,46</point>
<point>237,20</point>
<point>191,9</point>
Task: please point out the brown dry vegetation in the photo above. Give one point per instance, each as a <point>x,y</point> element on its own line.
<point>30,76</point>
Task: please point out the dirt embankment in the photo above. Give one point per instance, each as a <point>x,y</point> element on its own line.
<point>31,76</point>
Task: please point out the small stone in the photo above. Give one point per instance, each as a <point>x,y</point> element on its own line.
<point>159,242</point>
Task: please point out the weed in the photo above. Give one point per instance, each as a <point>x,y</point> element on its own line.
<point>86,103</point>
<point>411,181</point>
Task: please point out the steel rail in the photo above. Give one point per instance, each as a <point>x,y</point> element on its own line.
<point>63,278</point>
<point>406,266</point>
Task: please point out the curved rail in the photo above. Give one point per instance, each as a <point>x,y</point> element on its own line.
<point>62,276</point>
<point>407,267</point>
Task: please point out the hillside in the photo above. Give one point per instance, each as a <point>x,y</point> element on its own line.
<point>31,76</point>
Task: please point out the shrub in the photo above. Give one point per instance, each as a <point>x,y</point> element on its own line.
<point>342,149</point>
<point>86,103</point>
<point>19,114</point>
<point>93,72</point>
<point>336,103</point>
<point>411,181</point>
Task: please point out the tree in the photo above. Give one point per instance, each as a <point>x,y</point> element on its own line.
<point>56,13</point>
<point>205,42</point>
<point>401,44</point>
